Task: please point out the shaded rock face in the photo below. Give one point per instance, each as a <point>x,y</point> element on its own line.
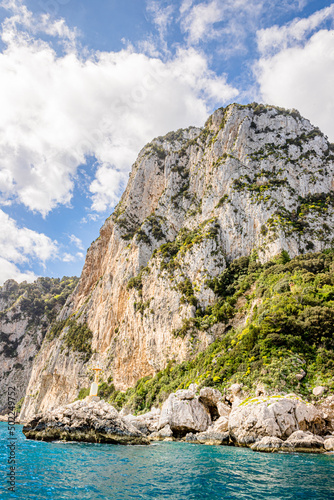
<point>274,417</point>
<point>184,415</point>
<point>326,407</point>
<point>89,421</point>
<point>223,185</point>
<point>26,312</point>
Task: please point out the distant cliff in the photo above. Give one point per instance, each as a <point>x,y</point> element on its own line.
<point>26,312</point>
<point>254,181</point>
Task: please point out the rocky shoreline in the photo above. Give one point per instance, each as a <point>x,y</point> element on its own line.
<point>281,423</point>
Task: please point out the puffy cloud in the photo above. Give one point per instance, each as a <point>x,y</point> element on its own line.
<point>8,270</point>
<point>58,109</point>
<point>298,69</point>
<point>76,241</point>
<point>231,22</point>
<point>276,38</point>
<point>20,246</point>
<point>199,21</point>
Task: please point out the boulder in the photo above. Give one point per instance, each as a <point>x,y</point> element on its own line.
<point>329,444</point>
<point>301,375</point>
<point>268,444</point>
<point>304,442</point>
<point>184,415</point>
<point>89,420</point>
<point>326,407</point>
<point>161,435</point>
<point>185,394</point>
<point>275,416</point>
<point>223,409</point>
<point>147,422</point>
<point>319,390</point>
<point>220,425</point>
<point>211,437</point>
<point>236,389</point>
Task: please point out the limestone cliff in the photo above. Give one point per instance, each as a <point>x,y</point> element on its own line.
<point>26,312</point>
<point>249,181</point>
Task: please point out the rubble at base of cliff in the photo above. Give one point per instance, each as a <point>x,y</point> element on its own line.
<point>274,423</point>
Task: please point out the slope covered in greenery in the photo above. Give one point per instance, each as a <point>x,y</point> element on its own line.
<point>289,305</point>
<point>41,299</point>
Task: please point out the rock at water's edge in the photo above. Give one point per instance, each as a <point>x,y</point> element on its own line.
<point>88,421</point>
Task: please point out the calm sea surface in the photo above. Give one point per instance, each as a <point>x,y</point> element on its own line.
<point>164,470</point>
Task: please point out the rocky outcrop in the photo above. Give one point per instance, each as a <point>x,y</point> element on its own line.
<point>184,413</point>
<point>90,420</point>
<point>195,199</point>
<point>329,444</point>
<point>326,408</point>
<point>274,416</point>
<point>303,442</point>
<point>147,422</point>
<point>164,434</point>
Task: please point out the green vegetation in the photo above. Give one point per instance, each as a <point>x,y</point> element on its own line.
<point>77,336</point>
<point>83,393</point>
<point>44,297</point>
<point>136,282</point>
<point>184,241</point>
<point>19,405</point>
<point>290,304</point>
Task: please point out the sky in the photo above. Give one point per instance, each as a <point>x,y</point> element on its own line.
<point>85,85</point>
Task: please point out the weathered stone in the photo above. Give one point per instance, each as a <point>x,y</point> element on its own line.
<point>184,415</point>
<point>319,390</point>
<point>223,409</point>
<point>84,423</point>
<point>190,437</point>
<point>272,416</point>
<point>210,398</point>
<point>220,425</point>
<point>305,442</point>
<point>301,375</point>
<point>329,444</point>
<point>165,432</point>
<point>235,389</point>
<point>185,394</point>
<point>211,437</point>
<point>326,408</point>
<point>268,444</point>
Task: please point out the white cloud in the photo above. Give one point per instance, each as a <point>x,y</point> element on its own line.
<point>67,257</point>
<point>76,241</point>
<point>200,20</point>
<point>162,16</point>
<point>58,109</point>
<point>20,246</point>
<point>300,73</point>
<point>8,270</point>
<point>276,38</point>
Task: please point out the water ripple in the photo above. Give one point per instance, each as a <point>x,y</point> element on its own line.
<point>174,471</point>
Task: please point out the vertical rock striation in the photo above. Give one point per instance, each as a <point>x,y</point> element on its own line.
<point>251,180</point>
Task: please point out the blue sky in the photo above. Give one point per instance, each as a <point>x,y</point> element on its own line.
<point>85,85</point>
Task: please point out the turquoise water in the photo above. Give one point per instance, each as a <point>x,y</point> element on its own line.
<point>165,470</point>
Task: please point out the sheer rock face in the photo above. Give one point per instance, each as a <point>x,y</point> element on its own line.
<point>235,186</point>
<point>274,417</point>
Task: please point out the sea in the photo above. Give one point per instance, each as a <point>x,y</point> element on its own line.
<point>164,470</point>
